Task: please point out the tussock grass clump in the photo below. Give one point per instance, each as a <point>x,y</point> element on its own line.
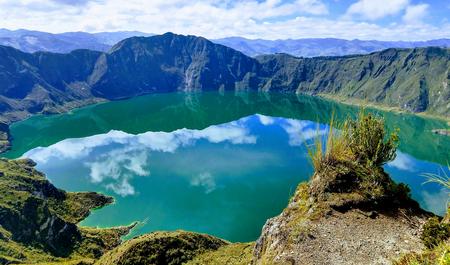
<point>363,141</point>
<point>369,141</point>
<point>351,159</point>
<point>443,180</point>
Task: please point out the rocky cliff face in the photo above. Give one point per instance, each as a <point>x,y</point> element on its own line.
<point>169,63</point>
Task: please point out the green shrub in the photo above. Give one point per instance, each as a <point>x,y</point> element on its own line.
<point>435,232</point>
<point>367,140</point>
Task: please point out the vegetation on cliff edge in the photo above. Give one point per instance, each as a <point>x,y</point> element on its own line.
<point>38,221</point>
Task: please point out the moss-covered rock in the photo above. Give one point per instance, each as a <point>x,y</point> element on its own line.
<point>161,248</point>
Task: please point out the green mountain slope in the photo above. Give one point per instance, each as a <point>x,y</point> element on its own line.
<point>410,79</point>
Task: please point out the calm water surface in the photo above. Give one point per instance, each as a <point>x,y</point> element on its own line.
<point>218,163</point>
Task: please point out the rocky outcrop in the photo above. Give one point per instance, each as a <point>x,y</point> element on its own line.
<point>309,232</point>
<point>38,221</point>
<point>351,211</point>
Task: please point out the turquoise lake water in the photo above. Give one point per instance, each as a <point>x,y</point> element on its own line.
<point>217,163</point>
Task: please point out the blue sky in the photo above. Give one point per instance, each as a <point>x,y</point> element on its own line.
<point>268,19</point>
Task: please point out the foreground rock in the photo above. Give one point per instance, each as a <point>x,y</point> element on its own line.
<point>351,212</point>
<point>311,233</point>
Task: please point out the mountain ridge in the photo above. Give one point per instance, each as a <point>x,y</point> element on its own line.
<point>33,41</point>
<point>313,47</point>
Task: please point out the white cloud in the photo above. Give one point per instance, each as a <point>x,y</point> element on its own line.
<point>234,132</point>
<point>204,180</point>
<point>403,162</point>
<point>271,19</point>
<point>372,10</point>
<point>315,7</point>
<point>73,148</point>
<point>415,13</point>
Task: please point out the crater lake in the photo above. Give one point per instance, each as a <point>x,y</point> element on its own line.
<point>210,162</point>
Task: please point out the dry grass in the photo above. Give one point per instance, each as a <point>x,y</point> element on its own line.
<point>336,148</point>
<point>232,254</point>
<point>444,181</point>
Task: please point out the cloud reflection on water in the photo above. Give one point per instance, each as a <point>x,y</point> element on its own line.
<point>301,131</point>
<point>435,201</point>
<point>403,162</point>
<point>129,154</point>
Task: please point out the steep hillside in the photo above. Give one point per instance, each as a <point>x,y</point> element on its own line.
<point>162,248</point>
<point>43,82</point>
<point>38,221</point>
<point>168,63</point>
<point>409,79</point>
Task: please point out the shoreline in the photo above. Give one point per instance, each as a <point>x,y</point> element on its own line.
<point>378,106</point>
